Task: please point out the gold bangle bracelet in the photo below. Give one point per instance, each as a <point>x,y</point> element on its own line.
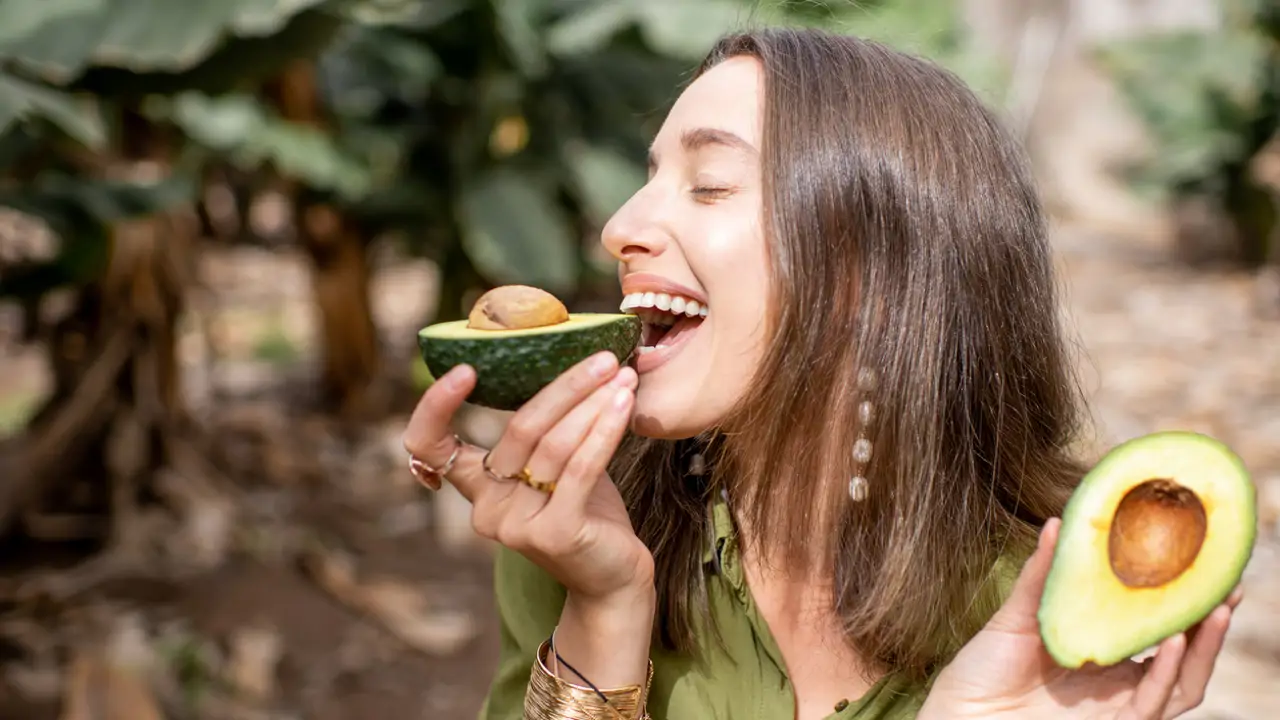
<point>550,697</point>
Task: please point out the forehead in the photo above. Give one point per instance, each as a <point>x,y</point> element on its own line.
<point>728,97</point>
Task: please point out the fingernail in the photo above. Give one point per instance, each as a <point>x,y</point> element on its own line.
<point>459,374</point>
<point>601,363</point>
<point>621,399</point>
<point>624,377</point>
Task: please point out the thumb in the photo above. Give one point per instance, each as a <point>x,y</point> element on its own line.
<point>1018,614</point>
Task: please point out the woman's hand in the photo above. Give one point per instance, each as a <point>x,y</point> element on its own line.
<point>579,532</point>
<point>1005,671</point>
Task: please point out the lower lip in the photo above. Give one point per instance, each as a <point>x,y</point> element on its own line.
<point>658,357</point>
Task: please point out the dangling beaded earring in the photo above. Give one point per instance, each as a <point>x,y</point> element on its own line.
<point>862,446</point>
<point>697,465</point>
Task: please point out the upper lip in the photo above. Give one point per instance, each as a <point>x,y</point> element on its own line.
<point>648,282</point>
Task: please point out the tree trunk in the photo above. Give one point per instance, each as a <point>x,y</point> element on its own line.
<point>340,281</point>
<point>336,246</point>
<point>117,394</point>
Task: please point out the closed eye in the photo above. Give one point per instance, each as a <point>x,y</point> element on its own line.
<point>710,192</point>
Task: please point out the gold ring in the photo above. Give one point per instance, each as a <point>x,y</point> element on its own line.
<point>523,476</point>
<point>539,485</point>
<point>429,476</point>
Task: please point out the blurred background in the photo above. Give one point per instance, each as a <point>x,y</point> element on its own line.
<point>222,223</point>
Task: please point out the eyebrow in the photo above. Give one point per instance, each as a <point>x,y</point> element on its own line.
<point>695,139</point>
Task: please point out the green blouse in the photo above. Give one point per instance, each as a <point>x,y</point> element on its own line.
<point>744,679</point>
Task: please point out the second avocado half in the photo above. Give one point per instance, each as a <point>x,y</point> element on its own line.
<point>1157,535</point>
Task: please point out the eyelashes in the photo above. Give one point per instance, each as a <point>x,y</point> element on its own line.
<point>706,193</point>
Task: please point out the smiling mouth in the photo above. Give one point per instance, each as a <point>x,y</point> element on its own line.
<point>668,319</point>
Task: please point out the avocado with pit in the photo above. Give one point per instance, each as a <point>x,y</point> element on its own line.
<point>1156,536</point>
<point>518,339</point>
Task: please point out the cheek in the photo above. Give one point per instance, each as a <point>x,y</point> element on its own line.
<point>733,265</point>
<point>729,253</point>
<point>738,335</point>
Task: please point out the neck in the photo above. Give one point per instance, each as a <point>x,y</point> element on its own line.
<point>816,570</point>
<point>802,596</point>
<point>799,608</point>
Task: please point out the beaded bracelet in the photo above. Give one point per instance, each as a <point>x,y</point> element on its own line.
<point>561,661</point>
<point>550,697</point>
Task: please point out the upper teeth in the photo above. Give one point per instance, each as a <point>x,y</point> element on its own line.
<point>674,304</point>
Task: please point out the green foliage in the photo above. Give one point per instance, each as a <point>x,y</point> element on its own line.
<point>519,126</point>
<point>275,347</point>
<point>933,29</point>
<point>513,232</point>
<point>51,48</point>
<point>1199,122</point>
<point>79,212</point>
<point>496,134</point>
<point>240,130</point>
<point>1209,124</point>
<point>70,72</point>
<point>516,126</point>
<point>21,99</point>
<point>59,40</point>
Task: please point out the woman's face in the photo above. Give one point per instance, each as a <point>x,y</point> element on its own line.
<point>692,256</point>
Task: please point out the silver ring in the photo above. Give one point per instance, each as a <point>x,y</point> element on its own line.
<point>429,476</point>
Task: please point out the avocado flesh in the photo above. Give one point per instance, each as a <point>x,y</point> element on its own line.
<point>513,365</point>
<point>1087,612</point>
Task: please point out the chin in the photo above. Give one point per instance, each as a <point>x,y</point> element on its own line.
<point>667,413</point>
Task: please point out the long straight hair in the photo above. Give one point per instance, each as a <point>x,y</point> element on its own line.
<point>907,246</point>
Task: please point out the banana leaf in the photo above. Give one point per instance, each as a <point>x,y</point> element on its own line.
<point>58,52</point>
<point>79,212</point>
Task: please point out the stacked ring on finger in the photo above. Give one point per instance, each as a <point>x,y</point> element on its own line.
<point>523,476</point>
<point>429,476</point>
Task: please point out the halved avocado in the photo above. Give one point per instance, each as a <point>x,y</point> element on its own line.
<point>513,365</point>
<point>1157,534</point>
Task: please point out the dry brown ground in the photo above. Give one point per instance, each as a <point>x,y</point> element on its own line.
<point>333,588</point>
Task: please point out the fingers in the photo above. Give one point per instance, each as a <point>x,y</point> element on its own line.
<point>590,461</point>
<point>1232,601</point>
<point>1201,656</point>
<point>501,510</point>
<point>551,529</point>
<point>555,449</point>
<point>535,419</point>
<point>1156,686</point>
<point>1018,614</point>
<point>428,435</point>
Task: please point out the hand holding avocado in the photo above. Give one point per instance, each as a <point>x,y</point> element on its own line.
<point>1005,671</point>
<point>542,490</point>
<point>1156,536</point>
<point>576,527</point>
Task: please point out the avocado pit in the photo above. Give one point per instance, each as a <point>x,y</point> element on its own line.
<point>516,307</point>
<point>1156,534</point>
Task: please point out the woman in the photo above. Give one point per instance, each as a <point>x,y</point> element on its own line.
<point>850,416</point>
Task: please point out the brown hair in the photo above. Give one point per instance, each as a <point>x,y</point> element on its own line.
<point>905,237</point>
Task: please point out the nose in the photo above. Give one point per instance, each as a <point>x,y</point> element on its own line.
<point>635,230</point>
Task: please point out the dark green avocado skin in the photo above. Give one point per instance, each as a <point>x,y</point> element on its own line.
<point>512,369</point>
